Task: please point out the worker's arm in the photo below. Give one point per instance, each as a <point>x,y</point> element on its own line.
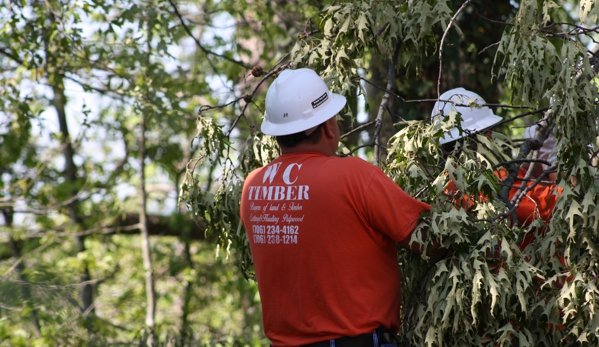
<point>396,214</point>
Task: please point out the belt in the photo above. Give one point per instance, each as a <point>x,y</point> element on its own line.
<point>364,340</point>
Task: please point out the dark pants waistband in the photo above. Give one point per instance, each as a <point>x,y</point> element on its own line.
<point>364,340</point>
<point>379,336</point>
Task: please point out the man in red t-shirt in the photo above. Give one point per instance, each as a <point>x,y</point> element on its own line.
<point>323,229</point>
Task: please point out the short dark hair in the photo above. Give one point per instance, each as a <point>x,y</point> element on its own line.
<point>293,140</point>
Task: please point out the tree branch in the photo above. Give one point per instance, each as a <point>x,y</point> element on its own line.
<point>491,20</point>
<point>206,51</point>
<point>443,40</point>
<point>13,57</point>
<point>384,105</point>
<point>128,224</point>
<point>365,125</point>
<point>249,98</point>
<point>521,161</point>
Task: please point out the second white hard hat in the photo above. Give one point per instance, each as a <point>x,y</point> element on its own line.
<point>474,119</point>
<point>298,100</point>
<point>547,151</point>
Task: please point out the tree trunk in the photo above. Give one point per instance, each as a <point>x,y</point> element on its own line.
<point>70,173</point>
<point>187,294</point>
<point>146,248</point>
<point>145,237</point>
<point>20,270</point>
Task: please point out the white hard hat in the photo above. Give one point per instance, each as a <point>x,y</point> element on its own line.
<point>473,118</point>
<point>298,100</point>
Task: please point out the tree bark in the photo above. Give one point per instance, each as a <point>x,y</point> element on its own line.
<point>70,173</point>
<point>187,294</point>
<point>380,142</point>
<point>145,237</point>
<point>146,248</point>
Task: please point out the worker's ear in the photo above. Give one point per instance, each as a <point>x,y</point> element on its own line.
<point>328,128</point>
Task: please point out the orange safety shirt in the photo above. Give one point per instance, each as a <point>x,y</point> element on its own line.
<point>536,203</point>
<point>323,233</point>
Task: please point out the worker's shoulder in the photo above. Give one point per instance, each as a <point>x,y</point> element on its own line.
<point>255,172</point>
<point>353,162</point>
<point>352,166</point>
<point>334,165</point>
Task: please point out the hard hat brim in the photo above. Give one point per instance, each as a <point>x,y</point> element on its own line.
<point>333,107</point>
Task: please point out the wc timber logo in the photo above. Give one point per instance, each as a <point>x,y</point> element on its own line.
<point>289,191</point>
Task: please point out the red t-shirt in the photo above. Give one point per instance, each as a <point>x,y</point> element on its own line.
<point>322,232</point>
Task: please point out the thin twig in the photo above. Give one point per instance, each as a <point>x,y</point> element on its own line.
<point>178,14</point>
<point>8,54</point>
<point>355,149</point>
<point>406,101</point>
<point>489,46</point>
<point>20,260</point>
<point>365,125</point>
<point>521,161</point>
<point>251,96</point>
<point>541,110</point>
<point>491,20</point>
<point>443,40</point>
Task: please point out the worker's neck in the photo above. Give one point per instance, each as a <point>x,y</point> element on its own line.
<point>305,147</point>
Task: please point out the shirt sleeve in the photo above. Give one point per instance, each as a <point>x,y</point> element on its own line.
<point>389,209</point>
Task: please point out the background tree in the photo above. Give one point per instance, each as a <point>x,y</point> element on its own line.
<point>77,80</point>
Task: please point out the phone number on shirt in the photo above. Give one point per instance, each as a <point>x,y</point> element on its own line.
<point>275,229</point>
<point>275,234</point>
